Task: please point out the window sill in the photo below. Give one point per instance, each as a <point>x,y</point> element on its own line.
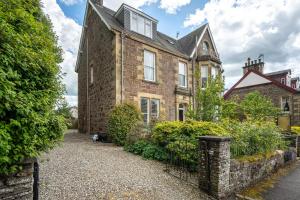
<point>151,82</point>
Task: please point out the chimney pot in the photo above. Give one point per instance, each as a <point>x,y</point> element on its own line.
<point>255,61</point>
<point>251,62</point>
<point>245,64</point>
<point>259,60</point>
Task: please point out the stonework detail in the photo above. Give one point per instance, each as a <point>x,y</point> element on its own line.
<point>18,186</point>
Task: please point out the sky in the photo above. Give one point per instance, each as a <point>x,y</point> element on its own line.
<point>240,28</point>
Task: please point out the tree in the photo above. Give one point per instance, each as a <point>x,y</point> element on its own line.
<point>258,107</point>
<point>30,83</point>
<point>208,101</point>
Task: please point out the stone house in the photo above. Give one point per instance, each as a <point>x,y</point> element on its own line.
<point>278,86</point>
<point>124,58</point>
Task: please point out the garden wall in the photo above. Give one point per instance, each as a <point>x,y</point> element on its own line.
<point>18,186</point>
<point>245,173</point>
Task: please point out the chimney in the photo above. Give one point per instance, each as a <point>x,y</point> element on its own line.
<point>253,65</point>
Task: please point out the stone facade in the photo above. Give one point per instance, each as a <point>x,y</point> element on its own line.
<point>18,186</point>
<point>95,99</point>
<point>110,68</point>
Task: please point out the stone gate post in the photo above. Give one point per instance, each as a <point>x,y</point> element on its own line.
<point>214,165</point>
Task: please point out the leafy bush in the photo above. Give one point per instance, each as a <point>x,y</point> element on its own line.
<point>122,120</point>
<point>295,130</point>
<point>148,150</point>
<point>181,138</point>
<point>30,84</point>
<point>254,137</point>
<point>258,107</point>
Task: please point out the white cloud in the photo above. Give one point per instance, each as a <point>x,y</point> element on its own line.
<point>71,2</point>
<point>172,6</point>
<point>249,27</point>
<point>68,32</point>
<point>115,4</point>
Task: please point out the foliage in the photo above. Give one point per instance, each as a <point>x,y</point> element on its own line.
<point>63,109</point>
<point>122,120</point>
<point>254,137</point>
<point>208,101</point>
<point>258,107</point>
<point>30,83</point>
<point>148,150</point>
<point>295,130</point>
<point>181,138</point>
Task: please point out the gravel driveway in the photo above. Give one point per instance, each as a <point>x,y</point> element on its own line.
<point>80,169</point>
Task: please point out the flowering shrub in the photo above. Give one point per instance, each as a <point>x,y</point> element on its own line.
<point>296,130</point>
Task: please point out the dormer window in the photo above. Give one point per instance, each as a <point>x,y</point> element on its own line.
<point>140,25</point>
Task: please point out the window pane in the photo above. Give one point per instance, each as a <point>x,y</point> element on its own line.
<point>141,25</point>
<point>182,80</point>
<point>133,22</point>
<point>154,108</point>
<point>204,71</point>
<point>148,28</point>
<point>144,109</point>
<point>149,73</point>
<point>182,68</point>
<point>149,66</point>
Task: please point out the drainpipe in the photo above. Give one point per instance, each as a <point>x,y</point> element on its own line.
<point>87,86</point>
<point>193,68</point>
<point>122,65</point>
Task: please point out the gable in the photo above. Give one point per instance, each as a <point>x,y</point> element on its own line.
<point>252,79</point>
<point>209,40</point>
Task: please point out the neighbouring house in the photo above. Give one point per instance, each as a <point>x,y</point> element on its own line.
<point>124,58</point>
<point>283,90</point>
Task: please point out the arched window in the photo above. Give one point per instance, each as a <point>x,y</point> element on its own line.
<point>205,48</point>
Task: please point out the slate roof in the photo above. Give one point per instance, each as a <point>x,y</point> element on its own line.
<point>183,46</point>
<point>279,72</point>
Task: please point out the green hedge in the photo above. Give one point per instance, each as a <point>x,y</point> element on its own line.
<point>30,84</point>
<point>254,137</point>
<point>122,120</point>
<point>181,138</point>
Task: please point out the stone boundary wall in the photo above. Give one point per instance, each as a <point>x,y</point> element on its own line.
<point>18,186</point>
<point>244,173</point>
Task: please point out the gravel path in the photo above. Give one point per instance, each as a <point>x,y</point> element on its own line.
<point>80,169</point>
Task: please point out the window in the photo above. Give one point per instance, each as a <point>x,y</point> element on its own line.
<point>181,112</point>
<point>92,74</point>
<point>141,25</point>
<point>205,48</point>
<point>182,73</point>
<point>282,80</point>
<point>285,104</point>
<point>149,108</point>
<point>144,109</point>
<point>149,66</point>
<point>204,76</point>
<point>214,72</point>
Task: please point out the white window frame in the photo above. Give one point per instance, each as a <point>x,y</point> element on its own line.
<point>185,74</point>
<point>152,67</point>
<point>139,19</point>
<point>149,108</point>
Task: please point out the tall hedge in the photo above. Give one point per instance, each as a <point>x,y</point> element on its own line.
<point>29,83</point>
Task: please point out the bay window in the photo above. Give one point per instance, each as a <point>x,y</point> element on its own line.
<point>204,76</point>
<point>182,73</point>
<point>214,72</point>
<point>149,66</point>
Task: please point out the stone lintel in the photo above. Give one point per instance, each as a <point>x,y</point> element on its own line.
<point>215,138</point>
